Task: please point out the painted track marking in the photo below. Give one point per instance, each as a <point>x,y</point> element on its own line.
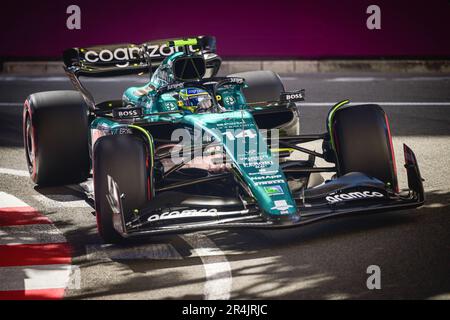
<point>37,277</point>
<point>9,202</point>
<point>217,268</point>
<point>355,79</point>
<point>17,216</point>
<point>35,258</point>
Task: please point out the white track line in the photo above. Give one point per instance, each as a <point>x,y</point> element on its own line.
<point>216,266</point>
<point>9,201</point>
<point>29,234</point>
<point>14,172</point>
<point>61,201</point>
<point>355,79</point>
<point>422,79</point>
<point>35,277</point>
<point>107,252</point>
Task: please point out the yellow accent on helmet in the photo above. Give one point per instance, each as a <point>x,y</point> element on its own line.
<point>191,109</point>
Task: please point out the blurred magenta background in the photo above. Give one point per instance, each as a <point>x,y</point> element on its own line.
<point>244,29</point>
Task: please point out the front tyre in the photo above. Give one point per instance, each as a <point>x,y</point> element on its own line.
<point>362,141</point>
<point>124,159</point>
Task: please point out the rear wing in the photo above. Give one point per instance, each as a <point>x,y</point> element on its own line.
<point>123,59</point>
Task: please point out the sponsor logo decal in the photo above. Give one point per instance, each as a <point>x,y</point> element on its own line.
<point>274,190</point>
<point>128,112</point>
<point>264,183</point>
<point>174,86</point>
<point>183,214</point>
<point>236,80</point>
<point>125,131</point>
<point>267,177</point>
<point>122,56</point>
<point>353,196</point>
<point>118,55</point>
<point>293,96</point>
<point>194,91</point>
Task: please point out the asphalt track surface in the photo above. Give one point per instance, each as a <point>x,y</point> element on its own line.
<point>328,260</point>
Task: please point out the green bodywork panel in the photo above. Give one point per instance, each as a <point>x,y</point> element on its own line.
<point>251,157</point>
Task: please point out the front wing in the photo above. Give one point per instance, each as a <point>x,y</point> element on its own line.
<point>310,208</point>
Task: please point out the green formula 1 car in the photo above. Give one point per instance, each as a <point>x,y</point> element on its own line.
<point>190,150</point>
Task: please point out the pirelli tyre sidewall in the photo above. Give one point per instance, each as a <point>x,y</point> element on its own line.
<point>124,159</point>
<point>362,141</point>
<point>55,133</point>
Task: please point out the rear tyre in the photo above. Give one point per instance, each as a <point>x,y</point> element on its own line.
<point>55,132</point>
<point>262,85</point>
<point>267,86</point>
<point>363,143</point>
<point>124,159</point>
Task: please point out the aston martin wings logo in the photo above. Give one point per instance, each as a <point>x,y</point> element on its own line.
<point>281,205</point>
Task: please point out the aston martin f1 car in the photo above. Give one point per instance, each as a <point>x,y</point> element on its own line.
<point>190,150</point>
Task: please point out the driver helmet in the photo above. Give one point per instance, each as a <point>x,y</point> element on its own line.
<point>195,100</point>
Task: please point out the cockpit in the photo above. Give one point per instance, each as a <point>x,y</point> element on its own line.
<point>180,81</point>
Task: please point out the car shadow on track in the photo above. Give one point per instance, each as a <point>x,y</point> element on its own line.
<point>323,261</point>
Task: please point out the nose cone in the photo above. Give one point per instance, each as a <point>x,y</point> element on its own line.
<point>246,147</point>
